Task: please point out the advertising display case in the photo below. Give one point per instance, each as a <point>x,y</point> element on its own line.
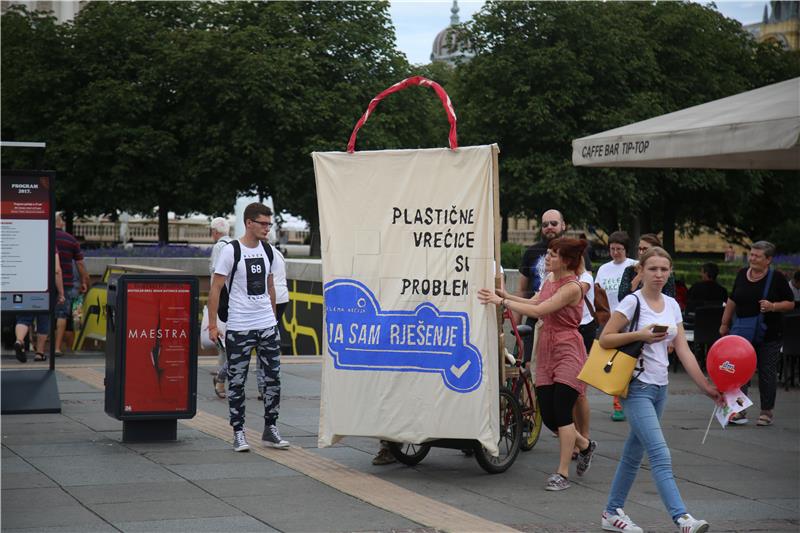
<point>151,353</point>
<point>27,281</point>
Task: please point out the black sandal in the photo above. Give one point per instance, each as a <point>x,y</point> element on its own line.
<point>19,351</point>
<point>39,356</point>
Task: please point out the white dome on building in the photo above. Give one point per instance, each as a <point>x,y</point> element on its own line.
<point>450,46</point>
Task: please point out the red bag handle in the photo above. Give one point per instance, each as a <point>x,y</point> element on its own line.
<point>409,82</point>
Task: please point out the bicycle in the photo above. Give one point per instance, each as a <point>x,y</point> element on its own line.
<point>520,382</point>
<point>520,418</point>
<point>509,444</point>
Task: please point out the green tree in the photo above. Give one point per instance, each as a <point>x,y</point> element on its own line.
<point>547,73</point>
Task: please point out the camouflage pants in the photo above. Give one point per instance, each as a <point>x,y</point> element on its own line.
<point>239,345</point>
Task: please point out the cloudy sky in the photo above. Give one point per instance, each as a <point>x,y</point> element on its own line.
<point>418,21</point>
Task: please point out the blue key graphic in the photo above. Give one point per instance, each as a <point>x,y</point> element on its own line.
<point>363,337</point>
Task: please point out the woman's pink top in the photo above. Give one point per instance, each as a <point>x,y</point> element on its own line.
<point>560,353</point>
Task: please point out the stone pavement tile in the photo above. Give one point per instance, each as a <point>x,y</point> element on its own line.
<point>65,449</point>
<point>32,426</point>
<point>485,496</point>
<point>306,442</point>
<point>303,504</point>
<point>16,500</point>
<point>163,509</point>
<point>68,385</point>
<point>102,469</point>
<point>727,509</point>
<point>739,526</point>
<point>74,516</point>
<point>237,524</point>
<point>351,457</point>
<point>203,457</point>
<point>25,480</point>
<point>746,483</point>
<point>15,465</point>
<point>792,504</point>
<point>7,452</point>
<point>232,488</point>
<point>97,421</point>
<point>83,528</point>
<point>137,492</point>
<point>188,439</point>
<point>77,434</point>
<point>261,469</point>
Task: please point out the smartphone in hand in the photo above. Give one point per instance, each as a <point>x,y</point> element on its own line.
<point>660,329</point>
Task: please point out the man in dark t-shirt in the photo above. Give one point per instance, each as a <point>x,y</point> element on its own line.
<point>69,250</point>
<point>707,290</point>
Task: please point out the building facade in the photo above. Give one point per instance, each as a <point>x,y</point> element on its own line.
<point>780,24</point>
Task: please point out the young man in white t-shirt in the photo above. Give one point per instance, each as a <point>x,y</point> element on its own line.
<point>608,277</point>
<point>251,323</point>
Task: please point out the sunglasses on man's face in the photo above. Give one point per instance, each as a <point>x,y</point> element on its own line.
<point>263,224</point>
<point>553,223</point>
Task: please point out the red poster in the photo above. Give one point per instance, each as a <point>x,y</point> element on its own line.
<point>26,197</point>
<point>157,338</point>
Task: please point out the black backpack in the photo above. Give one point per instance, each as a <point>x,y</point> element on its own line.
<point>224,294</point>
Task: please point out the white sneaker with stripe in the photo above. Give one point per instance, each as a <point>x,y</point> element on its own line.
<point>619,522</point>
<point>689,524</point>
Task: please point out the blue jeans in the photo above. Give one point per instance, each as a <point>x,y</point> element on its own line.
<point>643,408</point>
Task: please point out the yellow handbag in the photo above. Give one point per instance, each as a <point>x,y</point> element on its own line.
<point>610,370</point>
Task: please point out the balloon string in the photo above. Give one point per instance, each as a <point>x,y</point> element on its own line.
<point>709,423</point>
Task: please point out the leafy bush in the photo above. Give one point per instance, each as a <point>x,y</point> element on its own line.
<point>511,255</point>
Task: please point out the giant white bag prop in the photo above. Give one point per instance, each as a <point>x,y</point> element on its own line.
<point>408,238</point>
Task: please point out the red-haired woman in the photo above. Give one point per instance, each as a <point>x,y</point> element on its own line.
<point>560,354</point>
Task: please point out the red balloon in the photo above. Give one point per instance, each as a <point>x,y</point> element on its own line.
<point>731,362</point>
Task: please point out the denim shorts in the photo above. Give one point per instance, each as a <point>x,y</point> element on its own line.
<point>64,310</point>
<point>42,322</point>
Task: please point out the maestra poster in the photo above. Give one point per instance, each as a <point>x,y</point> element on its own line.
<point>407,241</point>
<point>157,338</point>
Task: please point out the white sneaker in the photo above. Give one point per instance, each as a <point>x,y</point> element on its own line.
<point>689,524</point>
<point>619,522</point>
<point>239,442</point>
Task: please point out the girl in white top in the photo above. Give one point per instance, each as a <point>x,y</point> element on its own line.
<point>647,393</point>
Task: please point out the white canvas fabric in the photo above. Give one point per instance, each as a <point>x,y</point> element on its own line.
<point>407,237</point>
<point>758,129</point>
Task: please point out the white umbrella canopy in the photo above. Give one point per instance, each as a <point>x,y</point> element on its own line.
<point>758,129</point>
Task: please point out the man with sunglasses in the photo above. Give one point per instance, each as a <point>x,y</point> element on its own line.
<point>244,267</point>
<point>532,272</point>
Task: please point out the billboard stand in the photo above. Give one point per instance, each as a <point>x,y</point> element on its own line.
<point>27,229</point>
<point>149,430</point>
<point>151,354</point>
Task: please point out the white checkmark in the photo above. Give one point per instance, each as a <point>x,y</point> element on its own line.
<point>458,371</point>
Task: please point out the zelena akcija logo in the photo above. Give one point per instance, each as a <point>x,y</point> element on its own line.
<point>361,336</point>
<point>728,367</point>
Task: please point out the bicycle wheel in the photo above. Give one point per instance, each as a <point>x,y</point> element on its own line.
<point>510,436</point>
<point>531,416</point>
<point>409,454</point>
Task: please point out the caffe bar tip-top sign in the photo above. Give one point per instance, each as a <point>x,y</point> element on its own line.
<point>408,238</point>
